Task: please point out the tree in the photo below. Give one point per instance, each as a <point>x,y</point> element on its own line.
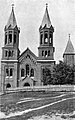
<point>46,76</point>
<point>63,74</point>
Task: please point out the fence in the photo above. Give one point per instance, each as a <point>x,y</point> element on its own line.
<point>43,88</point>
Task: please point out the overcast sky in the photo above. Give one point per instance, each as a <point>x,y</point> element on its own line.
<point>29,15</point>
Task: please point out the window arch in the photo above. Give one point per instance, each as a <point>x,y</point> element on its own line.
<point>27,69</point>
<point>22,72</point>
<point>32,73</point>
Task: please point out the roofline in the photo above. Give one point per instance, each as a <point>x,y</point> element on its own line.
<point>30,51</point>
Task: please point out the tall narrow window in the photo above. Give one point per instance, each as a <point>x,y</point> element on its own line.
<point>7,72</point>
<point>14,39</point>
<point>22,72</point>
<point>32,73</point>
<point>11,72</point>
<point>10,54</point>
<point>50,40</point>
<point>27,69</point>
<point>41,37</point>
<point>5,39</point>
<point>6,53</point>
<point>46,38</point>
<point>10,38</point>
<point>46,53</point>
<point>42,53</point>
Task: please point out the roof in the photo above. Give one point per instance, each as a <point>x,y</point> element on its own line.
<point>69,48</point>
<point>46,19</point>
<point>29,51</point>
<point>12,20</point>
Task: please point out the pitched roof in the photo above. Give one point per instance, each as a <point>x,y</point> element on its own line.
<point>29,52</point>
<point>12,20</point>
<point>46,19</point>
<point>69,48</point>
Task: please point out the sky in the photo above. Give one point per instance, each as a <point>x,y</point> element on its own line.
<point>29,15</point>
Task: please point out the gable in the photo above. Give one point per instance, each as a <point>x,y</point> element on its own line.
<point>28,55</point>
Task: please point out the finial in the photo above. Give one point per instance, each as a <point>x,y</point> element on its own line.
<point>46,5</point>
<point>69,36</point>
<point>12,6</point>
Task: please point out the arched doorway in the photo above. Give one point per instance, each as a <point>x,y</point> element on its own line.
<point>26,84</point>
<point>8,85</point>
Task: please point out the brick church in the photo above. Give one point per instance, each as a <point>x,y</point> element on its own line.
<point>20,70</point>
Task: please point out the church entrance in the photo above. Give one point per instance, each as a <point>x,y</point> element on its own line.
<point>26,84</point>
<point>8,85</point>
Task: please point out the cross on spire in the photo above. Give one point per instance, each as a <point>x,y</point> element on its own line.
<point>46,5</point>
<point>12,6</point>
<point>69,36</point>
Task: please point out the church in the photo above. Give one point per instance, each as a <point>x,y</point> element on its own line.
<point>26,69</point>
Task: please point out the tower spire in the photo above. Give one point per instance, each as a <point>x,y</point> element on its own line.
<point>12,20</point>
<point>46,19</point>
<point>69,48</point>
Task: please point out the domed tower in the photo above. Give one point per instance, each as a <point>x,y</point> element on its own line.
<point>46,49</point>
<point>10,53</point>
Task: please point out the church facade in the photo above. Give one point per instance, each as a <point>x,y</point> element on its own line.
<point>18,70</point>
<point>26,69</point>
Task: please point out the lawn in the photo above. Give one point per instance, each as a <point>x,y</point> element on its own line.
<point>18,102</point>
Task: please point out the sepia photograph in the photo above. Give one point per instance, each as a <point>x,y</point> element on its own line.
<point>37,59</point>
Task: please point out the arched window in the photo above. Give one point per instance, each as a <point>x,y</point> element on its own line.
<point>8,85</point>
<point>41,37</point>
<point>48,52</point>
<point>27,69</point>
<point>7,72</point>
<point>45,53</point>
<point>22,72</point>
<point>11,72</point>
<point>6,53</point>
<point>32,73</point>
<point>10,54</point>
<point>46,38</point>
<point>5,39</point>
<point>14,39</point>
<point>10,38</point>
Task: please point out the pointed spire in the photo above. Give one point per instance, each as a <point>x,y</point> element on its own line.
<point>69,48</point>
<point>46,19</point>
<point>12,20</point>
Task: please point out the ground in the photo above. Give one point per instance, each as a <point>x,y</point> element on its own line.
<point>29,105</point>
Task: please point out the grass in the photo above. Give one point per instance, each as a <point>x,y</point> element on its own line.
<point>9,104</point>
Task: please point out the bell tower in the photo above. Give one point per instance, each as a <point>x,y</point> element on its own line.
<point>10,54</point>
<point>46,49</point>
